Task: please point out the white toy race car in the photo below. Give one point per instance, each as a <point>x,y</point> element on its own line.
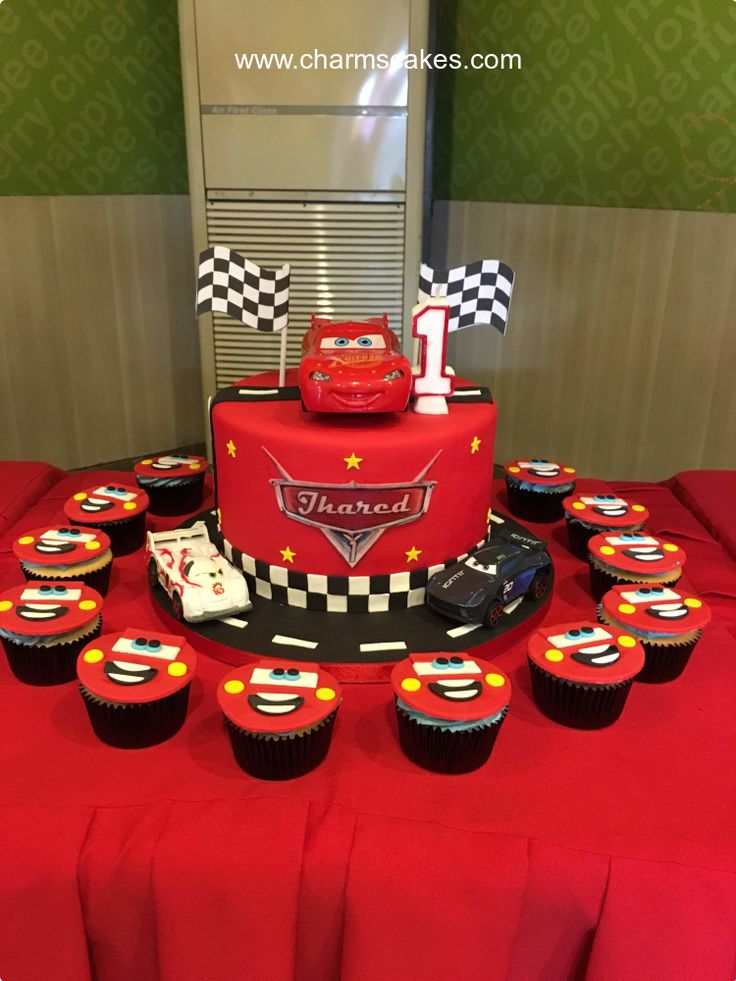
<point>201,583</point>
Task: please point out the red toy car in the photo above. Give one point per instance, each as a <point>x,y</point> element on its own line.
<point>353,367</point>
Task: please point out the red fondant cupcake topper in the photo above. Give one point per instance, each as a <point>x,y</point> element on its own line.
<point>456,687</point>
<point>587,653</point>
<point>607,510</point>
<point>138,665</point>
<point>171,465</point>
<point>656,609</point>
<point>538,471</point>
<point>63,545</point>
<point>278,696</point>
<point>110,502</point>
<point>48,609</point>
<point>637,553</point>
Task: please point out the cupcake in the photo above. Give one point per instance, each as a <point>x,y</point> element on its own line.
<point>174,483</point>
<point>279,716</point>
<point>536,488</point>
<point>668,623</point>
<point>592,514</point>
<point>44,626</point>
<point>135,686</point>
<point>582,672</point>
<point>60,554</point>
<point>450,709</point>
<point>117,510</point>
<point>629,558</point>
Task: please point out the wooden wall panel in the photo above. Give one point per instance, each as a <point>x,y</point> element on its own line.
<point>621,351</point>
<point>98,339</point>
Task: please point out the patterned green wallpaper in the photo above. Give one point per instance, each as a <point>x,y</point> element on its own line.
<point>90,98</point>
<point>628,103</point>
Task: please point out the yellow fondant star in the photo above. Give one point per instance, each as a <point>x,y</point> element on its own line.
<point>413,554</point>
<point>474,445</point>
<point>287,555</point>
<point>353,461</point>
<point>231,448</point>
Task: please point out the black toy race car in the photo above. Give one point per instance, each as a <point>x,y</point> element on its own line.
<point>477,589</point>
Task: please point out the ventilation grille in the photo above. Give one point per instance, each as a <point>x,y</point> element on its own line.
<point>346,262</point>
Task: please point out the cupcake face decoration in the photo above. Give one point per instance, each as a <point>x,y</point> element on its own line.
<point>48,609</point>
<point>637,552</point>
<point>656,609</point>
<point>139,665</point>
<point>606,509</point>
<point>111,502</point>
<point>540,471</point>
<point>587,653</point>
<point>65,545</point>
<point>455,687</point>
<point>278,696</point>
<point>173,465</point>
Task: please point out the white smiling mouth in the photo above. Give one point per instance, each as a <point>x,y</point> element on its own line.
<point>95,504</point>
<point>615,511</point>
<point>672,611</point>
<point>600,654</point>
<point>39,611</point>
<point>275,702</point>
<point>651,554</point>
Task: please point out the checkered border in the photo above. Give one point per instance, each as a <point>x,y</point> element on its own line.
<point>336,594</point>
<point>229,283</point>
<point>478,293</point>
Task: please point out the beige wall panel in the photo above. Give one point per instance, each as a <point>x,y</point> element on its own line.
<point>621,351</point>
<point>98,341</point>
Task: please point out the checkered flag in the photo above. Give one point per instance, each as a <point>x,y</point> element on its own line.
<point>479,293</point>
<point>229,283</point>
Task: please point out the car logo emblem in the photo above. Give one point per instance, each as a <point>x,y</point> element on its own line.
<point>353,516</point>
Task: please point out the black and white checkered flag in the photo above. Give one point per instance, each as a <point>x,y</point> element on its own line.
<point>479,293</point>
<point>229,283</point>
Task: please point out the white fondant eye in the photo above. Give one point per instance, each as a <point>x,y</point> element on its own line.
<point>126,645</point>
<point>577,636</point>
<point>66,535</point>
<point>265,676</point>
<point>117,493</point>
<point>51,593</point>
<point>632,540</point>
<point>428,667</point>
<point>645,595</point>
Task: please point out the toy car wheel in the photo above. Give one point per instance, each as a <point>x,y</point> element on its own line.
<point>493,614</point>
<point>177,606</point>
<point>538,586</point>
<point>153,574</point>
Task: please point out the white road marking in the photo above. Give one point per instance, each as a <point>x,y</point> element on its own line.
<point>459,393</point>
<point>294,642</point>
<point>233,622</point>
<point>466,628</point>
<point>496,520</point>
<point>258,391</point>
<point>512,606</point>
<point>389,645</point>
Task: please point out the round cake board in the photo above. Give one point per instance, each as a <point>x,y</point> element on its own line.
<point>354,647</point>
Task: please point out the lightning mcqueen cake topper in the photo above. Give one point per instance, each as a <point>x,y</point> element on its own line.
<point>455,687</point>
<point>110,502</point>
<point>537,471</point>
<point>655,609</point>
<point>607,510</point>
<point>171,465</point>
<point>48,609</point>
<point>587,653</point>
<point>638,553</point>
<point>65,545</point>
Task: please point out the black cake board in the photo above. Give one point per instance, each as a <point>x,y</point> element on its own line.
<point>354,646</point>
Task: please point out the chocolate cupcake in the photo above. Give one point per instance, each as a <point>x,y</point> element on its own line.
<point>117,510</point>
<point>174,483</point>
<point>582,672</point>
<point>44,626</point>
<point>279,716</point>
<point>668,622</point>
<point>450,709</point>
<point>591,514</point>
<point>629,558</point>
<point>536,488</point>
<point>135,686</point>
<point>61,554</point>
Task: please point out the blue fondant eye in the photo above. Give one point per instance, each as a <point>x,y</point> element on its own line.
<point>540,460</point>
<point>60,589</point>
<point>277,674</point>
<point>631,536</point>
<point>140,643</point>
<point>457,663</point>
<point>440,663</point>
<point>365,341</point>
<point>293,673</point>
<point>572,634</point>
<point>44,589</point>
<point>644,591</point>
<point>586,630</point>
<point>341,342</point>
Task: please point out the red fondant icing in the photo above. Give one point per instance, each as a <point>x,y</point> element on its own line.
<point>656,609</point>
<point>261,442</point>
<point>60,545</point>
<point>546,473</point>
<point>48,609</point>
<point>278,696</point>
<point>606,510</point>
<point>138,665</point>
<point>586,652</point>
<point>171,465</point>
<point>104,503</point>
<point>637,552</point>
<point>456,687</point>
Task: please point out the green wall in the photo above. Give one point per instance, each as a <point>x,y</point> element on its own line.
<point>90,98</point>
<point>628,103</point>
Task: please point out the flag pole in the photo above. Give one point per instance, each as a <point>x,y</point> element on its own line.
<point>282,358</point>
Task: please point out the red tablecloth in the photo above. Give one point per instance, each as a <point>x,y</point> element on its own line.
<point>603,855</point>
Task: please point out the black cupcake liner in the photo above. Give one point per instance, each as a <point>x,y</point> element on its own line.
<point>579,534</point>
<point>98,579</point>
<point>180,499</point>
<point>601,581</point>
<point>272,757</point>
<point>446,751</point>
<point>536,505</point>
<point>577,705</point>
<point>125,536</point>
<point>47,665</point>
<point>135,726</point>
<point>665,662</point>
